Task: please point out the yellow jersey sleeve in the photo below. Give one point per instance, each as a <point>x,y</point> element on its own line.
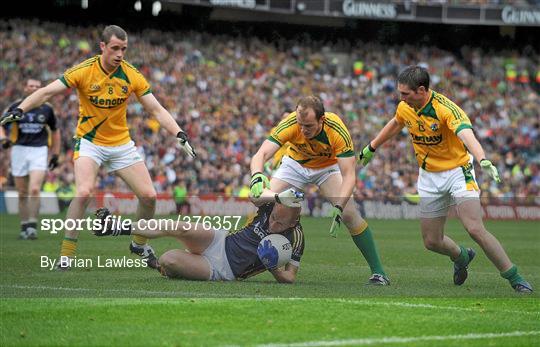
<point>76,75</point>
<point>285,131</point>
<point>138,82</point>
<point>399,113</point>
<point>339,136</point>
<point>453,116</point>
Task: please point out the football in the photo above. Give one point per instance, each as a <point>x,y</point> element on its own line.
<point>283,246</point>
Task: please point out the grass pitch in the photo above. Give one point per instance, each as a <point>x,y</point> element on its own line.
<point>328,306</point>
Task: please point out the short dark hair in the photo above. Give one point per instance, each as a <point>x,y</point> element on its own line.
<point>414,77</point>
<point>113,30</point>
<point>314,103</point>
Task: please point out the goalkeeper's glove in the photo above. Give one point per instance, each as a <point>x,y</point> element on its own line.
<point>183,142</point>
<point>258,182</point>
<point>337,211</point>
<point>268,255</point>
<point>366,155</point>
<point>491,170</point>
<point>53,163</point>
<point>290,198</point>
<point>11,116</point>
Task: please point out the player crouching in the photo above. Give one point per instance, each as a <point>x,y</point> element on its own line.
<point>217,255</point>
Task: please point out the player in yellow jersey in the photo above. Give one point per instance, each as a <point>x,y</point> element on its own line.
<point>442,138</point>
<point>320,151</point>
<point>104,84</point>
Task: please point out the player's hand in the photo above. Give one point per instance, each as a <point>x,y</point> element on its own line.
<point>258,182</point>
<point>268,255</point>
<point>491,170</point>
<point>366,155</point>
<point>53,163</point>
<point>290,198</point>
<point>183,142</point>
<point>11,116</point>
<point>337,212</point>
<point>5,142</point>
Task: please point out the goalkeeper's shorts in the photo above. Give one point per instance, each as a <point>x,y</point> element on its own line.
<point>299,176</point>
<point>112,157</point>
<point>216,256</point>
<point>27,158</point>
<point>440,190</point>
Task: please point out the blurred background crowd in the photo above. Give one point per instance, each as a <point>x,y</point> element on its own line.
<point>227,91</point>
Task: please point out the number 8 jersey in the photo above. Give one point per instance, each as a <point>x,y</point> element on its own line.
<point>103,99</point>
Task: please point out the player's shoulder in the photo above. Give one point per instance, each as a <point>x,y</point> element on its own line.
<point>403,106</point>
<point>444,105</point>
<point>88,63</point>
<point>330,117</point>
<point>129,68</point>
<point>48,105</point>
<point>335,123</point>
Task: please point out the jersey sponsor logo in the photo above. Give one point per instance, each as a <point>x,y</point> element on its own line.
<point>106,103</point>
<point>426,140</point>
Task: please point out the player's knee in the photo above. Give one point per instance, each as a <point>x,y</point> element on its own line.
<point>84,192</point>
<point>477,232</point>
<point>432,244</point>
<point>148,197</point>
<point>34,191</point>
<point>167,261</point>
<point>351,217</point>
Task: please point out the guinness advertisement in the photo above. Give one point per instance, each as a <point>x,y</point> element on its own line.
<point>387,10</point>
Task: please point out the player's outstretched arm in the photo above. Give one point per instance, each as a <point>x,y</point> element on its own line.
<point>289,197</point>
<point>259,181</point>
<point>391,129</point>
<point>166,120</point>
<point>286,274</point>
<point>36,99</point>
<point>473,146</point>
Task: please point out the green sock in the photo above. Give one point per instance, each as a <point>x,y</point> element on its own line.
<point>512,275</point>
<point>463,258</point>
<point>366,245</point>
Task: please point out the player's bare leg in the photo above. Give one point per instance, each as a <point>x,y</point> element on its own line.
<point>277,185</point>
<point>21,183</point>
<point>35,181</point>
<point>358,228</point>
<point>188,264</point>
<point>178,263</point>
<point>86,170</point>
<point>470,214</point>
<point>435,240</point>
<point>138,179</point>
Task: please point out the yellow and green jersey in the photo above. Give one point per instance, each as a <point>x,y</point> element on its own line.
<point>334,141</point>
<point>103,99</point>
<point>433,130</point>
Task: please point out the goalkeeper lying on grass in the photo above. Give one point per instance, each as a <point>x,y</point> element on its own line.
<point>217,255</point>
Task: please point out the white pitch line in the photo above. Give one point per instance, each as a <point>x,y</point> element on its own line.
<point>398,339</point>
<point>216,296</point>
<point>430,306</point>
<point>132,291</point>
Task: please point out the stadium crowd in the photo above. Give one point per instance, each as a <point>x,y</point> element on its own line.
<point>228,91</point>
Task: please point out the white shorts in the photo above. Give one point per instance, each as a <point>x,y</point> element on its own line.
<point>440,190</point>
<point>113,157</point>
<point>220,270</point>
<point>26,158</point>
<point>295,174</point>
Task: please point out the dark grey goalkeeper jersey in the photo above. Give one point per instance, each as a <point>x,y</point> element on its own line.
<point>241,246</point>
